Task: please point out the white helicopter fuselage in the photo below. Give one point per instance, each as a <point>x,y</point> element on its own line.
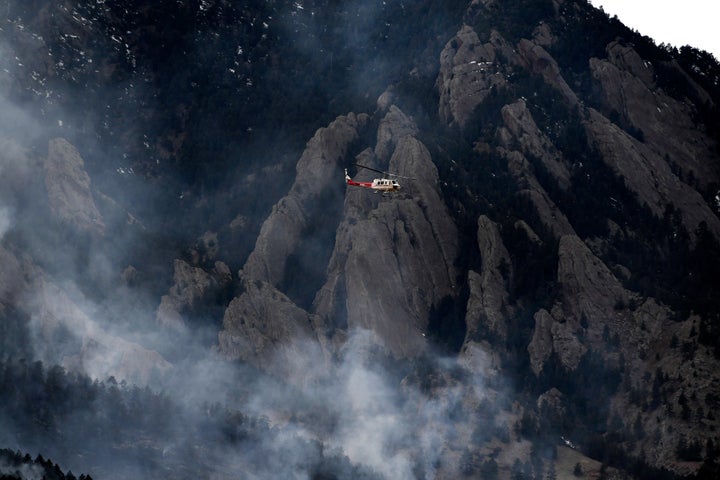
<point>385,184</point>
<point>378,184</point>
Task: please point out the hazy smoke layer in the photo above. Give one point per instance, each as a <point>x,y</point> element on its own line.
<point>24,472</point>
<point>5,220</point>
<point>137,400</point>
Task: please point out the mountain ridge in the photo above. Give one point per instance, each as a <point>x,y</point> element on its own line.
<point>560,233</point>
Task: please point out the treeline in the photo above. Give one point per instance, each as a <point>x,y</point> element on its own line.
<point>124,431</point>
<point>67,415</point>
<point>16,466</point>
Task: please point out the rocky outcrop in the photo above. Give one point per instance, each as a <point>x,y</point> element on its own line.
<point>68,188</point>
<point>87,346</point>
<point>555,336</point>
<point>518,119</point>
<point>264,327</point>
<point>192,285</point>
<point>540,347</point>
<point>649,175</point>
<point>61,329</point>
<point>42,194</point>
<point>551,216</point>
<point>393,261</point>
<point>394,126</point>
<point>487,308</point>
<point>552,404</point>
<point>593,306</point>
<point>666,125</point>
<point>539,61</point>
<point>594,301</point>
<point>469,71</point>
<point>543,35</point>
<point>318,169</point>
<point>520,138</point>
<point>627,59</point>
<point>588,288</point>
<point>263,319</point>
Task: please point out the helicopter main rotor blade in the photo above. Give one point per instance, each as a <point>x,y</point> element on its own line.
<point>381,171</point>
<point>369,168</point>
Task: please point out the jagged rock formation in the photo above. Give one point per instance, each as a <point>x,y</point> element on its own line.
<point>533,142</point>
<point>540,62</point>
<point>57,193</point>
<point>488,305</point>
<point>317,170</point>
<point>558,230</point>
<point>264,327</point>
<point>53,313</point>
<point>469,70</point>
<point>393,263</point>
<point>666,124</point>
<point>422,244</point>
<point>192,285</point>
<point>657,186</point>
<point>252,324</point>
<point>68,188</point>
<point>415,271</point>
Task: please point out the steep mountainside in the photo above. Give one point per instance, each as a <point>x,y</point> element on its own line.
<point>537,301</point>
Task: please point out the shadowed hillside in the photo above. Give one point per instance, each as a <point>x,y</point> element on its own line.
<point>190,289</point>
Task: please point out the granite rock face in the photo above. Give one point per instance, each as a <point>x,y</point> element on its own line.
<point>488,305</point>
<point>262,317</point>
<point>469,71</point>
<point>393,260</point>
<point>264,327</point>
<point>317,171</point>
<point>393,257</point>
<point>559,214</point>
<point>69,190</point>
<point>192,286</point>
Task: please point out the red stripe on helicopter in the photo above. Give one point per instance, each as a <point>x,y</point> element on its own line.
<point>359,184</point>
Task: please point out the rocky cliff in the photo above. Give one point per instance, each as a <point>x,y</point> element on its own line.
<point>395,260</point>
<point>35,279</point>
<point>543,286</point>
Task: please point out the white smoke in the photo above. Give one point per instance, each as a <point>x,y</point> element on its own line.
<point>371,416</point>
<point>23,471</point>
<point>5,221</point>
<point>374,417</point>
<point>366,412</point>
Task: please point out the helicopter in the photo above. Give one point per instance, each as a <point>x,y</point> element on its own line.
<point>384,185</point>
